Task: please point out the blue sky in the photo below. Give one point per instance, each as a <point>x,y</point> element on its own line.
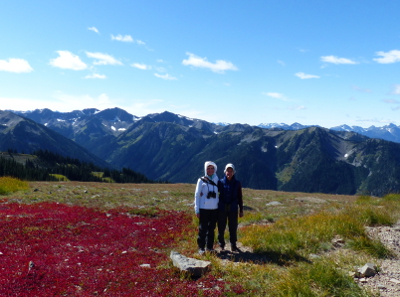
<point>313,62</point>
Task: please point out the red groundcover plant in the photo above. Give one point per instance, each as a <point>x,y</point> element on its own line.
<point>51,249</point>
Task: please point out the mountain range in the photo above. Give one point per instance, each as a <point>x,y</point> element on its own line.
<point>167,146</point>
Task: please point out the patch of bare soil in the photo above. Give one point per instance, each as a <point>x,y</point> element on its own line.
<point>387,281</point>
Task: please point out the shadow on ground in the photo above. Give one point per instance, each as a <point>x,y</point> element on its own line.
<point>246,255</point>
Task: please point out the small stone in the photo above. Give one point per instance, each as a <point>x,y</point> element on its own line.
<point>314,256</point>
<point>145,265</point>
<point>368,270</point>
<point>273,203</point>
<point>396,281</point>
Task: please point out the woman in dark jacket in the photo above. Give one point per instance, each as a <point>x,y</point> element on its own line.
<point>230,205</point>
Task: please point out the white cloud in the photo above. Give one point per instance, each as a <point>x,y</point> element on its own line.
<point>296,107</point>
<point>84,101</point>
<point>94,29</point>
<point>276,95</point>
<point>141,66</point>
<point>96,75</point>
<point>161,69</point>
<point>68,60</point>
<point>281,62</point>
<point>389,57</point>
<point>103,59</point>
<point>391,101</point>
<point>119,37</point>
<point>362,90</point>
<point>60,102</point>
<point>396,90</point>
<point>302,75</point>
<point>144,107</point>
<point>165,76</point>
<point>337,60</point>
<point>220,66</point>
<point>140,42</point>
<point>15,65</point>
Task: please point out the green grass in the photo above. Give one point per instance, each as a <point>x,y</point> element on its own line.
<point>291,238</point>
<point>10,185</point>
<point>60,177</point>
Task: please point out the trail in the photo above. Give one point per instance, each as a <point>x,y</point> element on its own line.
<point>387,281</point>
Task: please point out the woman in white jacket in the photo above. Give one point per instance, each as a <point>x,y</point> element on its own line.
<point>206,206</point>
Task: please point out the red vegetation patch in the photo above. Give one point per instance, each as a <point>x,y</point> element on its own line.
<point>51,249</point>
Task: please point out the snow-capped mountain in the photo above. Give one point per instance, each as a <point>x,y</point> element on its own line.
<point>115,121</point>
<point>294,126</point>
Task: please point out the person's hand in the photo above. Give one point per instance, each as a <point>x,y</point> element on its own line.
<point>241,214</point>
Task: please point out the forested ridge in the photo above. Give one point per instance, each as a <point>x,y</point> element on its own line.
<point>43,165</point>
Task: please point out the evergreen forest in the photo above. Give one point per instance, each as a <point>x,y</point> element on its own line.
<point>44,165</point>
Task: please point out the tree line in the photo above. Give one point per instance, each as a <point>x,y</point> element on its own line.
<point>42,165</point>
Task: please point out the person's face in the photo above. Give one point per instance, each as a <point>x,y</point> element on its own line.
<point>210,170</point>
<point>229,173</point>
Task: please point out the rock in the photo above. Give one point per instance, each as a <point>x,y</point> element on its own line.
<point>393,280</point>
<point>310,199</point>
<point>145,265</point>
<point>273,203</point>
<point>314,256</point>
<point>194,267</point>
<point>368,270</point>
<point>338,242</point>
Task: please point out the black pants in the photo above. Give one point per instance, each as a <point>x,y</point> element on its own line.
<point>208,221</point>
<point>232,218</point>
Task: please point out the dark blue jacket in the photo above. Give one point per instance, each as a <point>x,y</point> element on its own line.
<point>230,193</point>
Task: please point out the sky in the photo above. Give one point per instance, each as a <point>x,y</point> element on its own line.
<point>323,63</point>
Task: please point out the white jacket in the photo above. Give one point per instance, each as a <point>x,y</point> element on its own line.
<point>203,188</point>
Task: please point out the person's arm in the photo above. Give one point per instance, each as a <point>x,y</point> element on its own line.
<point>197,197</point>
<point>240,199</point>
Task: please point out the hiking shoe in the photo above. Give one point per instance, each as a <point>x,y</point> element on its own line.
<point>201,252</point>
<point>211,251</point>
<point>234,248</point>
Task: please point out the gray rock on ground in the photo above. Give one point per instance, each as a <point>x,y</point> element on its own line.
<point>368,270</point>
<point>193,266</point>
